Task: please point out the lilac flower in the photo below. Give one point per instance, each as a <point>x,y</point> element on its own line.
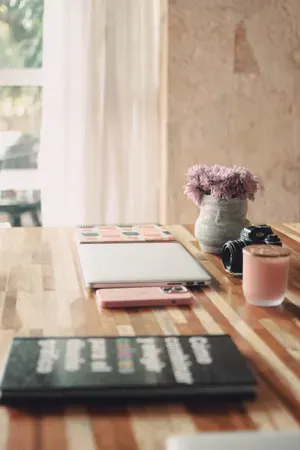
<point>221,182</point>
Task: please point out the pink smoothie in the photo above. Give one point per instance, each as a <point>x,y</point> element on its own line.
<point>265,278</point>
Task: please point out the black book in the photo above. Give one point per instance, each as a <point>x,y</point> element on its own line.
<point>125,368</point>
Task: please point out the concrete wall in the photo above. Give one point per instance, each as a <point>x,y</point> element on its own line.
<point>234,98</point>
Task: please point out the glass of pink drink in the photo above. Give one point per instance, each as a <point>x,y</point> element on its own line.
<point>265,274</point>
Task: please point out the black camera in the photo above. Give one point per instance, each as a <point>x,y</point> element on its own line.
<point>232,251</point>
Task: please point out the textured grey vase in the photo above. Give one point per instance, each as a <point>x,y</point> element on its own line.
<point>220,221</point>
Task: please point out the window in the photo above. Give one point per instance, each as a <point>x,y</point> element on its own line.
<point>21,59</point>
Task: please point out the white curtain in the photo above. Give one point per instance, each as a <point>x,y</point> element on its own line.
<point>100,137</point>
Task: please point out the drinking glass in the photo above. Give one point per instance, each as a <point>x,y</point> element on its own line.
<point>265,274</point>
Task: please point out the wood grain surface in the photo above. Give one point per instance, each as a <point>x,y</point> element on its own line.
<point>41,293</point>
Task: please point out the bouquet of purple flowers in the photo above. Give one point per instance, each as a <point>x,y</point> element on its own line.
<point>222,183</point>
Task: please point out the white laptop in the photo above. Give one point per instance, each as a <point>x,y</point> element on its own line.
<point>139,264</point>
<point>238,440</point>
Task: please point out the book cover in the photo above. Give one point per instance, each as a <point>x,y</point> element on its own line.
<point>123,233</point>
<point>115,367</point>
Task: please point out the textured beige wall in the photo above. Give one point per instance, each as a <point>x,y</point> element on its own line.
<point>234,98</point>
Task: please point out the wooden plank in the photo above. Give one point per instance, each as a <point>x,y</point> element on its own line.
<point>53,433</point>
<point>79,431</point>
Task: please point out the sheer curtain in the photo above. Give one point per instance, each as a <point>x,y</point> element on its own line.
<point>101,130</point>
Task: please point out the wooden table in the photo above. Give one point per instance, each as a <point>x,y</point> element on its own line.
<point>41,293</point>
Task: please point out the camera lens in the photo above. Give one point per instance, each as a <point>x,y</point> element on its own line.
<point>232,256</point>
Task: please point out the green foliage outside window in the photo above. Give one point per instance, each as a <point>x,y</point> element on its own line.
<point>21,47</point>
<point>21,33</point>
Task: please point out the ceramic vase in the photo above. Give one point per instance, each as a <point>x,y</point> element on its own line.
<point>220,221</point>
